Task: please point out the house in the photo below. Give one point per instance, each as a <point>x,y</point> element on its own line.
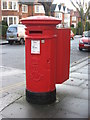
<point>35,8</point>
<point>62,12</point>
<point>14,10</point>
<point>74,18</point>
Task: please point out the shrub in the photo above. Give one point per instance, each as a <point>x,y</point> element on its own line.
<point>87,26</point>
<point>79,29</point>
<point>3,29</point>
<point>4,23</point>
<point>72,25</point>
<point>73,30</point>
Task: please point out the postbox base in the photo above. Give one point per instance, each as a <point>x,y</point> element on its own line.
<point>41,98</point>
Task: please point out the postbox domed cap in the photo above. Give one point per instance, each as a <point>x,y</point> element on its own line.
<point>40,20</point>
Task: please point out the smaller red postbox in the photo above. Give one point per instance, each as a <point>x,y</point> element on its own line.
<point>47,58</point>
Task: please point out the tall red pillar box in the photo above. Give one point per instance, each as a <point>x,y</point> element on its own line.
<point>43,46</point>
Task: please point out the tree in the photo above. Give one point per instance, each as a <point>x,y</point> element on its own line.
<point>80,8</point>
<point>87,26</point>
<point>47,6</point>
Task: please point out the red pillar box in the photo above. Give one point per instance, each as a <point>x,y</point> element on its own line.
<point>44,57</point>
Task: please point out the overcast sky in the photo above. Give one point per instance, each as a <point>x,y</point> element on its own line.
<point>68,3</point>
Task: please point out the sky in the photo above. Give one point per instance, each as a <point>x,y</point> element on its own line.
<point>67,3</point>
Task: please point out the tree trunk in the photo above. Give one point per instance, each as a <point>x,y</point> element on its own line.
<point>47,11</point>
<point>47,7</point>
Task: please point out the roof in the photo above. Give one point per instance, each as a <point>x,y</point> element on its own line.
<point>27,2</point>
<point>53,6</point>
<point>64,8</point>
<point>59,6</point>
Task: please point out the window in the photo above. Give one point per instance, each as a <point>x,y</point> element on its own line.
<point>14,5</point>
<point>37,9</point>
<point>57,15</point>
<point>4,5</point>
<point>15,20</point>
<point>12,29</point>
<point>24,8</point>
<point>9,5</point>
<point>10,20</point>
<point>74,18</point>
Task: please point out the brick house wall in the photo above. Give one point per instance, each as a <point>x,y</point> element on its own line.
<point>74,14</point>
<point>18,13</point>
<point>0,11</point>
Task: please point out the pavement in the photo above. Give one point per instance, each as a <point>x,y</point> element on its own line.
<point>3,42</point>
<point>72,96</point>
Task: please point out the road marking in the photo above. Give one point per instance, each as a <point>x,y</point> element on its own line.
<point>14,86</point>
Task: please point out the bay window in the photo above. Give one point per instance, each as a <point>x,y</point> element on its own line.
<point>9,5</point>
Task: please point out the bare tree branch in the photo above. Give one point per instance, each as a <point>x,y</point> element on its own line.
<point>75,6</point>
<point>87,11</point>
<point>81,11</point>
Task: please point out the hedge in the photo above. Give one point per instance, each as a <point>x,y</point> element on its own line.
<point>73,30</point>
<point>3,29</point>
<point>87,26</point>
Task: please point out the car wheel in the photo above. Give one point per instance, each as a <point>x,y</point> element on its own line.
<point>22,41</point>
<point>80,48</point>
<point>10,42</point>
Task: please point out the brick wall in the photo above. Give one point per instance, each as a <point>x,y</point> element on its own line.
<point>0,12</point>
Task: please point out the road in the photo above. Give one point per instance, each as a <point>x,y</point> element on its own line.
<point>14,55</point>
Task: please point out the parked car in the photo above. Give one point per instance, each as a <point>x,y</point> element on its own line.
<point>84,42</point>
<point>72,35</point>
<point>84,33</point>
<point>16,33</point>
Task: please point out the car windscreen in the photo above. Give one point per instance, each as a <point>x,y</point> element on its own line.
<point>12,29</point>
<point>87,34</point>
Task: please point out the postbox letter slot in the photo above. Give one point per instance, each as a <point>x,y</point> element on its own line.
<point>35,32</point>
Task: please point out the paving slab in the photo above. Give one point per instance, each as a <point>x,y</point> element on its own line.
<point>83,95</point>
<point>75,105</point>
<point>69,107</point>
<point>84,85</point>
<point>74,82</point>
<point>79,75</point>
<point>78,66</point>
<point>65,114</point>
<point>84,70</point>
<point>68,90</point>
<point>22,109</point>
<point>7,100</point>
